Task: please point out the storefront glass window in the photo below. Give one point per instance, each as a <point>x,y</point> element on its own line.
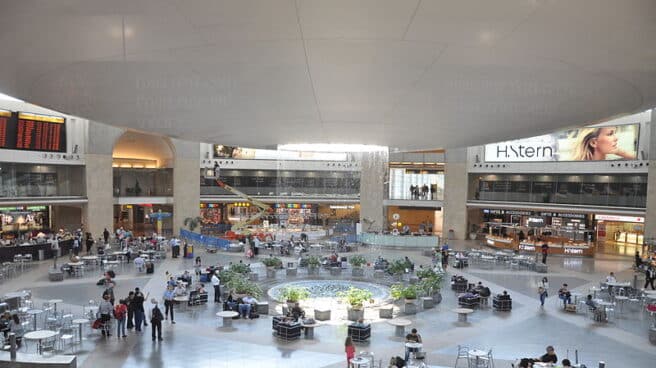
<point>402,180</point>
<point>28,180</point>
<point>143,182</point>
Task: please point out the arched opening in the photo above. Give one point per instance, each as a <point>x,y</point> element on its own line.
<point>143,183</point>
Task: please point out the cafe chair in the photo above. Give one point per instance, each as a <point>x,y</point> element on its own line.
<point>66,336</point>
<point>463,352</point>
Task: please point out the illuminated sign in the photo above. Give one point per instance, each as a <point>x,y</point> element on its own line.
<point>620,218</point>
<point>527,247</point>
<point>584,144</point>
<point>536,222</point>
<point>490,242</point>
<point>341,207</point>
<point>573,250</point>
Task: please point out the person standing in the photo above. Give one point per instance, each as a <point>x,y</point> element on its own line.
<point>120,314</point>
<point>156,321</point>
<point>638,260</point>
<point>545,251</point>
<point>349,348</point>
<point>169,294</point>
<point>110,291</point>
<point>138,301</point>
<point>130,306</point>
<point>542,292</point>
<point>650,276</point>
<point>216,282</point>
<point>106,235</point>
<point>105,310</point>
<point>76,245</point>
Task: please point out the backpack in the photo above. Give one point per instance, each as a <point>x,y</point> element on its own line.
<point>119,311</point>
<point>157,315</point>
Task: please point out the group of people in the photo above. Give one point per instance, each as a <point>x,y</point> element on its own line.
<point>11,323</point>
<point>549,357</point>
<point>421,192</point>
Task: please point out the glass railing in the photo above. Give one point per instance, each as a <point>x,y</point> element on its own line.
<point>28,180</point>
<point>143,182</point>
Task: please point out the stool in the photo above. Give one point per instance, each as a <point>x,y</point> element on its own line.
<point>322,314</point>
<point>262,308</point>
<point>386,312</point>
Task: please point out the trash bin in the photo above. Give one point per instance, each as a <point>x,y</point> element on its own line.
<point>190,251</point>
<point>42,254</point>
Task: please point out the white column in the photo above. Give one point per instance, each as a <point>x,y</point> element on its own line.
<point>650,215</point>
<point>455,192</point>
<point>186,182</point>
<point>372,189</point>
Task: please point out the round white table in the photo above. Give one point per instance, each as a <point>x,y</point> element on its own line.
<point>80,322</point>
<point>227,317</point>
<point>183,300</point>
<point>34,313</point>
<point>412,347</point>
<point>462,313</point>
<point>477,354</point>
<point>357,362</point>
<point>620,300</point>
<point>308,330</point>
<point>399,324</point>
<point>39,336</point>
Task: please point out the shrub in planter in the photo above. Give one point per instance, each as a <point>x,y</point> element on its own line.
<point>243,286</point>
<point>241,268</point>
<point>273,262</point>
<point>357,260</point>
<point>293,294</point>
<point>355,299</point>
<point>409,293</point>
<point>313,264</point>
<point>397,267</point>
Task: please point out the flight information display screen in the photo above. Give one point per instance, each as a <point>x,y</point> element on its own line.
<point>33,132</point>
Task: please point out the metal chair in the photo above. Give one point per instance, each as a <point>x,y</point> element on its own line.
<point>463,352</point>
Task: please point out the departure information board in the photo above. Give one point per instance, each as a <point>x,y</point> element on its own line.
<point>33,132</point>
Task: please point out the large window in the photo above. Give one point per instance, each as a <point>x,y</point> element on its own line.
<point>604,190</point>
<point>29,180</point>
<point>402,180</point>
<point>143,182</point>
<point>286,183</point>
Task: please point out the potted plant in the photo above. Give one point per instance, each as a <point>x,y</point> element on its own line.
<point>473,232</point>
<point>430,286</point>
<point>192,222</point>
<point>397,268</point>
<point>271,264</point>
<point>357,261</point>
<point>355,299</point>
<point>313,264</point>
<point>293,294</point>
<point>409,294</point>
<point>241,268</point>
<point>241,286</point>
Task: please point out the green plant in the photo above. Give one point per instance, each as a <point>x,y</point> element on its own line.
<point>313,261</point>
<point>272,262</point>
<point>399,291</point>
<point>357,260</point>
<point>241,268</point>
<point>293,294</point>
<point>430,285</point>
<point>355,297</point>
<point>241,285</point>
<point>192,222</point>
<point>397,267</point>
<point>226,276</point>
<point>425,273</point>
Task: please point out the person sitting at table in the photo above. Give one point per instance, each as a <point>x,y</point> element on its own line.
<point>180,290</point>
<point>17,328</point>
<point>566,363</point>
<point>200,288</point>
<point>610,279</point>
<point>413,336</point>
<point>599,313</point>
<point>246,305</point>
<point>4,323</point>
<point>186,277</point>
<point>549,357</point>
<point>503,296</point>
<point>171,282</point>
<point>297,312</point>
<point>565,295</point>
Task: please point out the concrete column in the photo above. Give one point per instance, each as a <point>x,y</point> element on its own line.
<point>455,192</point>
<point>650,216</point>
<point>372,189</point>
<point>98,214</point>
<point>186,182</point>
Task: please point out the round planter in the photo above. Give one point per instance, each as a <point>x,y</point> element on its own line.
<point>355,314</point>
<point>437,297</point>
<point>357,272</point>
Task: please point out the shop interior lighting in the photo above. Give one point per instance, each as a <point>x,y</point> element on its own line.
<point>329,147</point>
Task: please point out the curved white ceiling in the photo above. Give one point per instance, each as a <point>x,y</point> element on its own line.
<point>403,73</point>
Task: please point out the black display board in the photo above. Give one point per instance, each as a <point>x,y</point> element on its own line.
<point>33,132</point>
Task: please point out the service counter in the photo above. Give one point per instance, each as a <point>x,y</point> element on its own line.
<point>555,248</point>
<point>7,253</point>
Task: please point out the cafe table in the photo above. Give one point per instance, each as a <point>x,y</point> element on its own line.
<point>477,354</point>
<point>80,322</point>
<point>39,336</point>
<point>358,362</point>
<point>34,313</point>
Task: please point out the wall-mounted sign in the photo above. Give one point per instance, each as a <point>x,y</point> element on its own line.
<point>34,132</point>
<point>619,218</point>
<point>527,247</point>
<point>567,250</point>
<point>344,207</point>
<point>564,215</point>
<point>536,222</point>
<point>585,144</point>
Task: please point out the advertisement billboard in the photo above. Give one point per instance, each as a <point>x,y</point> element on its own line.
<point>594,143</point>
<point>221,151</point>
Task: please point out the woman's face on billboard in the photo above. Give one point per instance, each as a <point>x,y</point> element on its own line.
<point>606,141</point>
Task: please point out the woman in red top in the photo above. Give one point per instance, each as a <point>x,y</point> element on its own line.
<point>350,351</point>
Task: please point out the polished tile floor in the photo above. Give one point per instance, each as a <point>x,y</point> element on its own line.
<point>197,340</point>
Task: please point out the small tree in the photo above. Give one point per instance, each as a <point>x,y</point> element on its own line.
<point>192,222</point>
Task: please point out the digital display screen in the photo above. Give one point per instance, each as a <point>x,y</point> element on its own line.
<point>34,132</point>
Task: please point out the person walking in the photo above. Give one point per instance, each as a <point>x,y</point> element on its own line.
<point>545,251</point>
<point>349,348</point>
<point>156,321</point>
<point>169,294</point>
<point>650,276</point>
<point>542,292</point>
<point>120,314</point>
<point>216,282</point>
<point>106,235</point>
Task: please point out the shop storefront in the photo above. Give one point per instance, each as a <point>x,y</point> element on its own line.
<point>416,220</point>
<point>20,220</point>
<point>144,219</point>
<point>620,234</point>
